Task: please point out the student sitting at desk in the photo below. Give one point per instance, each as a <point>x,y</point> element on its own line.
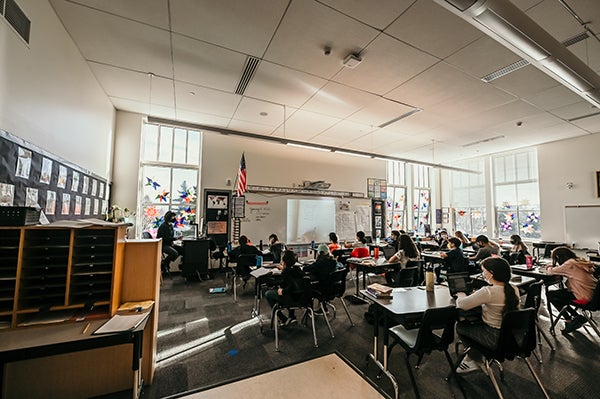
<point>333,242</point>
<point>243,249</point>
<point>395,235</point>
<point>495,300</point>
<point>276,248</point>
<point>291,276</point>
<point>464,241</point>
<point>167,233</point>
<point>454,260</point>
<point>360,249</point>
<point>442,239</point>
<point>580,284</point>
<point>486,248</point>
<point>407,252</point>
<point>322,267</point>
<point>518,251</point>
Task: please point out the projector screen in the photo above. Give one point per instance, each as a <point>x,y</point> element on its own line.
<point>310,220</point>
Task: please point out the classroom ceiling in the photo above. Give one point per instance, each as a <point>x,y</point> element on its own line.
<point>184,60</point>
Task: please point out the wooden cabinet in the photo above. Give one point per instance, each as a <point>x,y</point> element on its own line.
<point>62,274</point>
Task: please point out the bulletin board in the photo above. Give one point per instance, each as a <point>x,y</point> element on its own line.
<point>314,217</point>
<point>30,176</point>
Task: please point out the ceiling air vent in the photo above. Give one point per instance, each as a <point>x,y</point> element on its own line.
<point>17,19</point>
<point>249,70</point>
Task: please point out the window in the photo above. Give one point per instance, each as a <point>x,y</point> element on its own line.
<point>516,193</point>
<point>396,197</point>
<point>421,199</point>
<point>170,172</point>
<point>468,198</point>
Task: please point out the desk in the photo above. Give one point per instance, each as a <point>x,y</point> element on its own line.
<point>405,302</point>
<point>34,342</point>
<point>379,267</point>
<point>261,276</point>
<point>539,273</point>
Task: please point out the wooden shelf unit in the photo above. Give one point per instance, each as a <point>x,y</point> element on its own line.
<point>62,273</point>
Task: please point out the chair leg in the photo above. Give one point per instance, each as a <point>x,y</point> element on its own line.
<point>347,312</point>
<point>419,360</point>
<point>311,314</point>
<point>591,322</point>
<point>453,373</point>
<point>490,372</point>
<point>275,320</point>
<point>557,318</point>
<point>326,319</point>
<point>545,336</point>
<point>537,379</point>
<point>461,357</point>
<point>412,377</point>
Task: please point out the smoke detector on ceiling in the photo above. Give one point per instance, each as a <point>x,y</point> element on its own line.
<point>352,60</point>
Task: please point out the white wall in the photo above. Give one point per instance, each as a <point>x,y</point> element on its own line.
<point>48,95</point>
<point>127,159</point>
<point>575,160</point>
<point>273,164</point>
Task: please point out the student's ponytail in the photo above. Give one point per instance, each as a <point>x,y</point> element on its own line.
<point>500,270</point>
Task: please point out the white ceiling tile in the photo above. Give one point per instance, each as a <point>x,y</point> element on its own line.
<point>591,124</point>
<point>376,13</point>
<point>380,111</point>
<point>555,19</point>
<point>346,131</point>
<point>135,86</point>
<point>206,64</point>
<point>249,110</point>
<point>123,104</point>
<point>386,63</point>
<point>151,12</point>
<point>250,127</point>
<point>433,29</point>
<point>245,26</point>
<point>100,38</point>
<point>338,100</point>
<point>525,82</point>
<point>304,125</point>
<point>297,47</point>
<point>482,57</point>
<point>553,98</point>
<point>201,118</point>
<point>206,101</point>
<point>282,85</point>
<point>577,110</point>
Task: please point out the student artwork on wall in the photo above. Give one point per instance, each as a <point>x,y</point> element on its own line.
<point>31,176</point>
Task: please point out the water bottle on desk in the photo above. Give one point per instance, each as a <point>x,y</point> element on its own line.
<point>529,261</point>
<point>429,279</point>
<point>259,260</point>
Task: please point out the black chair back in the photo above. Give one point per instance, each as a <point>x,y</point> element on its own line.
<point>243,264</point>
<point>436,319</point>
<point>302,296</point>
<point>146,235</point>
<point>517,335</point>
<point>408,277</point>
<point>534,295</point>
<point>595,301</point>
<point>389,251</point>
<point>337,284</point>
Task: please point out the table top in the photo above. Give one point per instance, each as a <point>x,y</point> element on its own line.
<point>413,300</point>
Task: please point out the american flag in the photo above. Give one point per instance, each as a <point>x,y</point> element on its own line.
<point>241,177</point>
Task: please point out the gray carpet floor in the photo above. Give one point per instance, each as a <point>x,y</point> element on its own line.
<point>206,339</point>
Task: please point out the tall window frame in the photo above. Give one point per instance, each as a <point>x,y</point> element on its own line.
<point>396,215</point>
<point>421,212</point>
<point>515,184</point>
<point>468,198</point>
<point>170,166</point>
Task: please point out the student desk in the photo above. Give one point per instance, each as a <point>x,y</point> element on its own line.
<point>34,342</point>
<point>406,302</point>
<point>262,275</point>
<point>539,273</point>
<point>381,265</point>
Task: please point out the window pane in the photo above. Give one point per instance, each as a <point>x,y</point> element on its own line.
<point>184,186</point>
<point>166,144</point>
<point>506,196</point>
<point>150,150</point>
<point>529,222</point>
<point>528,196</point>
<point>179,146</point>
<point>523,170</point>
<point>499,174</point>
<point>157,185</point>
<point>193,148</point>
<point>507,223</point>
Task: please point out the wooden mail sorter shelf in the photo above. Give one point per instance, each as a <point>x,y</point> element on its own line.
<point>50,274</point>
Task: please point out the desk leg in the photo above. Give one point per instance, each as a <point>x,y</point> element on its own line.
<point>356,280</point>
<point>136,364</point>
<point>382,367</point>
<point>549,305</point>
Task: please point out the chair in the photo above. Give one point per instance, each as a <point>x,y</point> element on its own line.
<point>517,339</point>
<point>585,309</point>
<point>335,287</point>
<point>303,299</point>
<point>533,300</point>
<point>407,277</point>
<point>241,269</point>
<point>424,340</point>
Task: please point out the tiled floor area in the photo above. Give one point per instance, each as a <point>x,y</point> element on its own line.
<point>206,339</point>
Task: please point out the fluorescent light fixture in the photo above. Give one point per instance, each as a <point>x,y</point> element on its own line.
<point>352,153</point>
<point>405,115</point>
<point>511,34</point>
<point>567,75</point>
<point>310,147</point>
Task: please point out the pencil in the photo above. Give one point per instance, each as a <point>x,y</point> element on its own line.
<point>85,328</point>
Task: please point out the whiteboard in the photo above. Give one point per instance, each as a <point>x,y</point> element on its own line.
<point>582,225</point>
<point>268,213</point>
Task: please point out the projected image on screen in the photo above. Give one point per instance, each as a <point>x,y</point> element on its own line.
<point>310,220</point>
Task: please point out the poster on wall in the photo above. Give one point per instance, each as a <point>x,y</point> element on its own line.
<point>66,204</point>
<point>31,198</point>
<point>96,206</point>
<point>50,202</point>
<point>88,206</point>
<point>62,177</point>
<point>86,183</point>
<point>46,172</point>
<point>23,163</point>
<point>101,193</point>
<point>77,205</point>
<point>7,194</point>
<point>75,182</point>
<point>217,202</point>
<point>94,189</point>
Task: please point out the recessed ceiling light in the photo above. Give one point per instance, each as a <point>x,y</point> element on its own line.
<point>263,113</point>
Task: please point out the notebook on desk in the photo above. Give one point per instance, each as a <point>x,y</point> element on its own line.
<point>459,282</point>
